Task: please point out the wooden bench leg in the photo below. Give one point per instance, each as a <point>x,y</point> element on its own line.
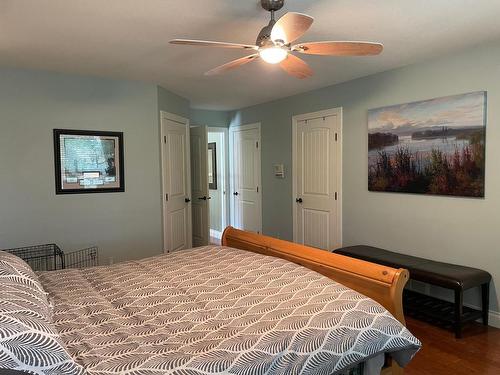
<point>459,303</point>
<point>485,292</point>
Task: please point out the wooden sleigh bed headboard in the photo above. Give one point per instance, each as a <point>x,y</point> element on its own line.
<point>382,284</point>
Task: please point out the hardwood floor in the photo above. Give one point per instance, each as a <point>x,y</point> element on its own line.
<point>477,353</point>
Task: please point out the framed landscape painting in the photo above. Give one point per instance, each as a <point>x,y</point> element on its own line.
<point>434,146</point>
<point>88,161</point>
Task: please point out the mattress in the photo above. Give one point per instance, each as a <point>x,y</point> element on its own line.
<point>218,310</point>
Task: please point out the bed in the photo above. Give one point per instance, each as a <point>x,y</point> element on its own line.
<point>254,305</point>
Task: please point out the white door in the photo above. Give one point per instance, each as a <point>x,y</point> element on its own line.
<point>176,182</point>
<point>199,184</point>
<point>245,178</point>
<point>317,179</point>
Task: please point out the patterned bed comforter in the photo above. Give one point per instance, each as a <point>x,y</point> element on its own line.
<point>218,310</point>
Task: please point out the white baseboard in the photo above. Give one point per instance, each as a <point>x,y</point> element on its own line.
<point>493,316</point>
<point>215,234</point>
<point>494,319</point>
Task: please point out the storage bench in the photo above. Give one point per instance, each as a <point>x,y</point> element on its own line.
<point>450,276</point>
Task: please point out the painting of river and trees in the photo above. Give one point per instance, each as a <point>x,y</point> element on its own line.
<point>434,146</point>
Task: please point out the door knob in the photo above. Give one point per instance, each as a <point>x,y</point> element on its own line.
<point>235,193</point>
<point>187,200</point>
<point>298,200</point>
<point>204,198</point>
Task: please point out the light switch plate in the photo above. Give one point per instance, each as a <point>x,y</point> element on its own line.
<point>279,170</point>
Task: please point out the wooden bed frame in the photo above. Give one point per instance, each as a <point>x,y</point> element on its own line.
<point>380,283</point>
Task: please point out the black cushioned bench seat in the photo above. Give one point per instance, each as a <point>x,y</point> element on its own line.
<point>445,275</point>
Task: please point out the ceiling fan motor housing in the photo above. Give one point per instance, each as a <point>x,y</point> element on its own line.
<point>265,34</point>
<point>272,5</point>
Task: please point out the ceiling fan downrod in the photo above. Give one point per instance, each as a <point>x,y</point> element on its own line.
<point>272,6</point>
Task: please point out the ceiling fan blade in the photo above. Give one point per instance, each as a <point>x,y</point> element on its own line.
<point>291,27</point>
<point>296,67</point>
<point>208,43</point>
<point>232,64</point>
<point>339,48</point>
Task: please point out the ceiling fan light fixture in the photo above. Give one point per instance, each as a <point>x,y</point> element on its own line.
<point>273,55</point>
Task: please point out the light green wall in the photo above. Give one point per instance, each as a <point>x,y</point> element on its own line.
<point>455,230</point>
<point>170,102</point>
<point>218,119</point>
<point>123,225</point>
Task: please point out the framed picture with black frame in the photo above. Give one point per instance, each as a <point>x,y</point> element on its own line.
<point>212,166</point>
<point>88,161</point>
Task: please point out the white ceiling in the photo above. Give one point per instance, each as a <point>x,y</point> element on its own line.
<point>129,39</point>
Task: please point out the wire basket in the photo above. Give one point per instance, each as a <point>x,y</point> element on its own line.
<point>88,257</point>
<point>47,257</point>
<point>50,257</point>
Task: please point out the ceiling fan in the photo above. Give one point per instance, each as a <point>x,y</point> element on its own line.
<point>274,44</point>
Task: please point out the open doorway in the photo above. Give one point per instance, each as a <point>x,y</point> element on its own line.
<point>218,181</point>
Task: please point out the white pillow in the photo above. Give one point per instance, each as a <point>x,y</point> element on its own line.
<point>28,340</point>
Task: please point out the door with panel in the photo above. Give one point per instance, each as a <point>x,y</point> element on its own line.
<point>176,183</point>
<point>317,181</point>
<point>199,184</point>
<point>246,205</point>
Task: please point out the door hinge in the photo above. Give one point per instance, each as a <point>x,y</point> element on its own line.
<point>166,197</point>
<point>257,189</point>
<point>335,195</point>
<point>336,137</point>
<point>257,144</point>
<point>165,139</point>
